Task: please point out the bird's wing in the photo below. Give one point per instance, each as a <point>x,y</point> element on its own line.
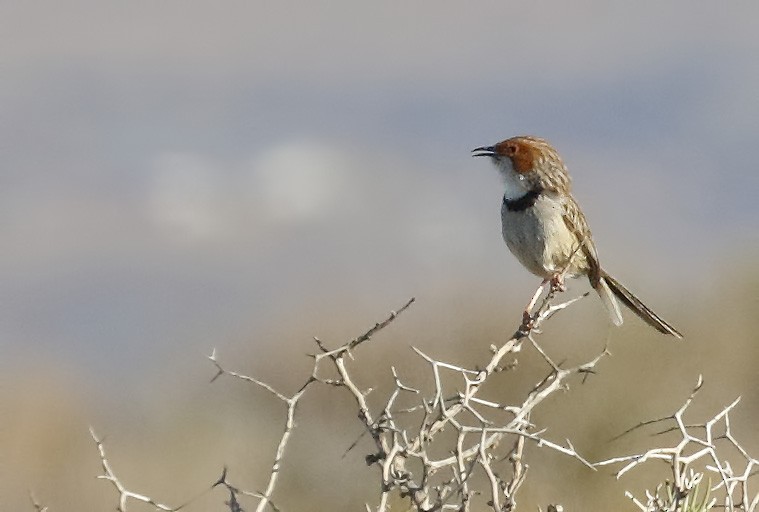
<point>575,221</point>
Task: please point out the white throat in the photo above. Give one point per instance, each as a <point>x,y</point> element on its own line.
<point>515,184</point>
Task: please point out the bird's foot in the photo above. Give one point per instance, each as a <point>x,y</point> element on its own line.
<point>557,283</point>
<point>528,323</point>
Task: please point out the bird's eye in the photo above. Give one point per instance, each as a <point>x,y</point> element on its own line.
<point>511,149</point>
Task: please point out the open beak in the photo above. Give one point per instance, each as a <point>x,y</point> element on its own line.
<point>484,151</point>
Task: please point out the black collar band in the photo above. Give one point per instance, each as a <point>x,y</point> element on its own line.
<point>522,203</point>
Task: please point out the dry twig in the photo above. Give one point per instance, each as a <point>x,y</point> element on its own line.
<point>701,449</point>
<point>124,493</point>
<point>404,450</point>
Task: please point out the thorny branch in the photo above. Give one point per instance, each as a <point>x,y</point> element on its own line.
<point>124,493</point>
<point>336,356</point>
<point>453,447</point>
<point>700,449</point>
<point>486,451</point>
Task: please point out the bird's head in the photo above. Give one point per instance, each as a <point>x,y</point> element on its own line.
<point>525,163</point>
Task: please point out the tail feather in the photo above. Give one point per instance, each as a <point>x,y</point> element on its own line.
<point>609,302</point>
<point>634,303</point>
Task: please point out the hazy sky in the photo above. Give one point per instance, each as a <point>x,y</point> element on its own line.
<point>176,174</point>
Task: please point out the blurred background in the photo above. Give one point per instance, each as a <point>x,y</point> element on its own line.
<point>245,175</point>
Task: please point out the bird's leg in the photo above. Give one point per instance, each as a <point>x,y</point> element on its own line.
<point>527,315</point>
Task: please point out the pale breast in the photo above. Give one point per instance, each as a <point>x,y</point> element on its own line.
<point>539,237</point>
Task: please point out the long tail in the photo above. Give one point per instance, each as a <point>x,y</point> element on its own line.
<point>608,283</point>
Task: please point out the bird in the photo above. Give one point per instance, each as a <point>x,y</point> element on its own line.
<point>546,230</point>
